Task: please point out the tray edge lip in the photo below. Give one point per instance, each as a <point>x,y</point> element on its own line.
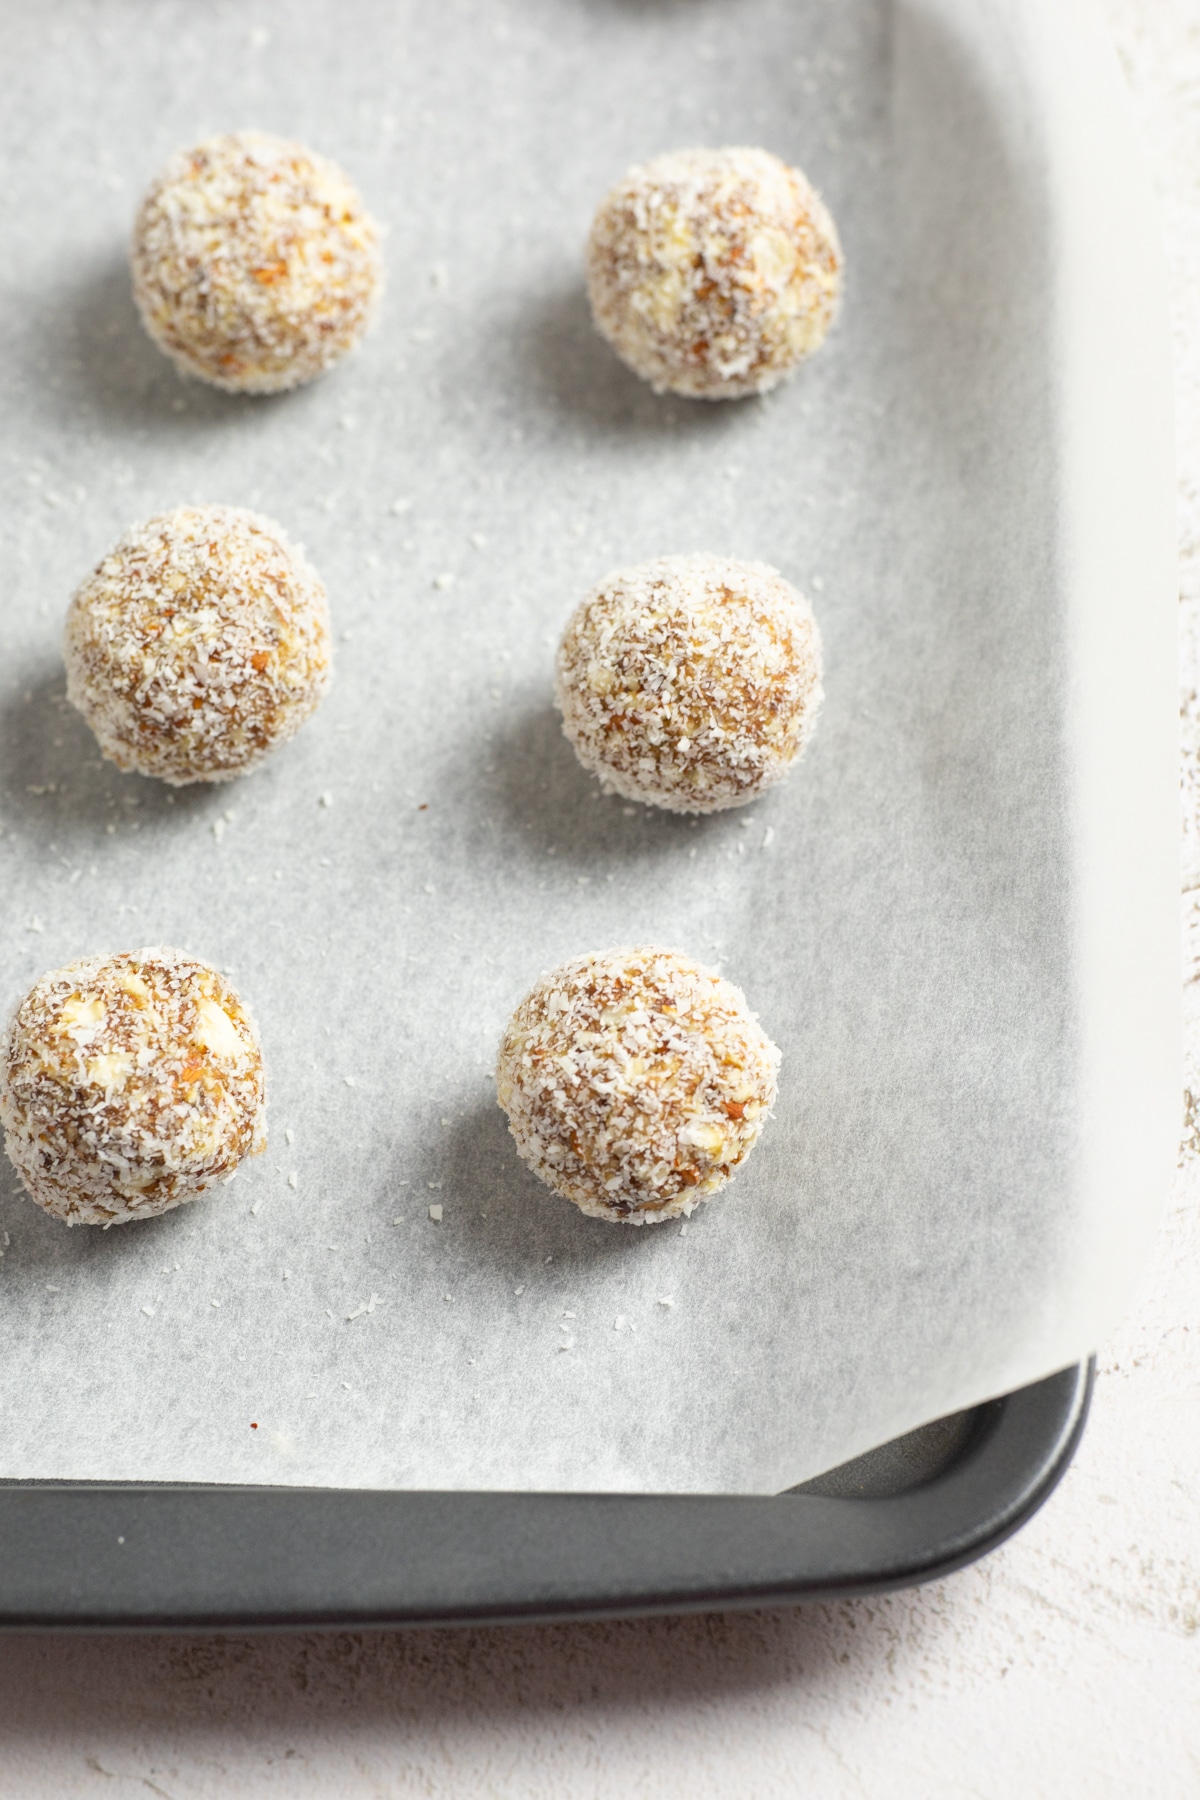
<point>964,1546</point>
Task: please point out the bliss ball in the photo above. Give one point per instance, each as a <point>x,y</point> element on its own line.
<point>128,1085</point>
<point>255,264</point>
<point>198,644</point>
<point>690,682</point>
<point>713,273</point>
<point>635,1083</point>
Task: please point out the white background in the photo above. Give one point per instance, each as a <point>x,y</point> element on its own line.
<point>1067,1664</point>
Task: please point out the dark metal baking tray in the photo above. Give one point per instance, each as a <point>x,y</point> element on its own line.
<point>148,1557</point>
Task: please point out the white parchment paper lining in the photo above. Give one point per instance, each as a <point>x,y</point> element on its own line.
<point>957,918</point>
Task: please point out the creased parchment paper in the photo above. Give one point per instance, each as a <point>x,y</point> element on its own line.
<point>974,1119</point>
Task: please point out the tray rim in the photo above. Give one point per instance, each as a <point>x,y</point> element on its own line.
<point>418,1558</point>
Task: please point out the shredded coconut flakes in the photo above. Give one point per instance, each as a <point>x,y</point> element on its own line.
<point>690,682</point>
<point>128,1085</point>
<point>198,644</point>
<point>255,263</point>
<point>635,1083</point>
<point>713,273</point>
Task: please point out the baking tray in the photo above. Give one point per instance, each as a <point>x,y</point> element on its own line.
<point>147,1558</point>
<point>155,1555</point>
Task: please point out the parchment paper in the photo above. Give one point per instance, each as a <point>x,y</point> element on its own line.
<point>907,1237</point>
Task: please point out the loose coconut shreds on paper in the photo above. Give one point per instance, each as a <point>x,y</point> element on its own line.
<point>255,264</point>
<point>635,1083</point>
<point>690,682</point>
<point>713,273</point>
<point>128,1085</point>
<point>199,644</point>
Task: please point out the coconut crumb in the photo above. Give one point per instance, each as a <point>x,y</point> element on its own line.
<point>128,1085</point>
<point>367,1307</point>
<point>690,682</point>
<point>635,1083</point>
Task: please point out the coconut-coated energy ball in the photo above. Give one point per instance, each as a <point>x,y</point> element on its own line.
<point>198,644</point>
<point>635,1083</point>
<point>690,682</point>
<point>713,273</point>
<point>255,263</point>
<point>128,1085</point>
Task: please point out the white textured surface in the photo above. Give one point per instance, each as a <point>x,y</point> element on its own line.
<point>1066,1665</point>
